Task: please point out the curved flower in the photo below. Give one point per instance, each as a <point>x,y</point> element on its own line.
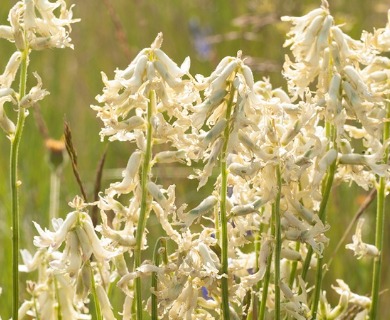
<point>47,29</point>
<point>360,248</point>
<point>125,97</point>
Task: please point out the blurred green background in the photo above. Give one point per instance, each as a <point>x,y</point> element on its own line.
<point>108,37</point>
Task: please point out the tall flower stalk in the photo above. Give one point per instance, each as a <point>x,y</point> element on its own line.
<point>145,203</point>
<point>15,184</point>
<point>29,31</point>
<point>139,105</point>
<point>327,186</point>
<point>380,224</point>
<point>229,98</point>
<point>276,155</point>
<point>223,221</point>
<point>278,242</point>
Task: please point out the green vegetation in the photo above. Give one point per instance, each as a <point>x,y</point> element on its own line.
<point>108,37</point>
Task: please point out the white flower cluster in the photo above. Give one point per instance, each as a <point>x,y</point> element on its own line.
<point>34,25</point>
<point>270,154</point>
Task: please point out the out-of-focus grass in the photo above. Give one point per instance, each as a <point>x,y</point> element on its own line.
<point>73,78</point>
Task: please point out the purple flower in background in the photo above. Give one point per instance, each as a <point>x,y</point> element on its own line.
<point>205,294</point>
<point>199,39</point>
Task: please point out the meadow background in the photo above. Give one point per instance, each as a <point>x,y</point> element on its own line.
<point>108,37</point>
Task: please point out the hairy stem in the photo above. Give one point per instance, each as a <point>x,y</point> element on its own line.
<point>15,183</point>
<point>144,210</point>
<point>380,224</point>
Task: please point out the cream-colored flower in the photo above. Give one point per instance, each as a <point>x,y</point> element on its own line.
<point>360,248</point>
<point>353,298</point>
<point>35,94</point>
<point>5,123</point>
<point>125,98</point>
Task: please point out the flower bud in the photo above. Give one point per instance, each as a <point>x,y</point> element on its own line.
<point>6,33</point>
<point>36,94</point>
<point>214,133</point>
<point>136,80</point>
<point>74,254</point>
<point>98,251</point>
<point>5,123</point>
<point>160,67</point>
<point>85,243</point>
<point>129,174</point>
<point>209,257</point>
<point>83,284</point>
<point>157,194</point>
<point>205,206</point>
<point>290,254</point>
<point>220,82</point>
<point>105,304</point>
<point>170,66</point>
<point>11,69</point>
<point>170,156</point>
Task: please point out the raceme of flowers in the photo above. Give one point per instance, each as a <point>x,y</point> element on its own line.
<point>34,25</point>
<point>266,153</point>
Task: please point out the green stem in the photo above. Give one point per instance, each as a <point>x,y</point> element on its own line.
<point>95,297</point>
<point>161,243</point>
<point>223,212</point>
<point>144,210</point>
<point>278,244</point>
<point>306,264</point>
<point>327,187</point>
<point>294,266</point>
<point>15,183</point>
<point>267,275</point>
<point>256,306</point>
<point>379,228</point>
<point>264,294</point>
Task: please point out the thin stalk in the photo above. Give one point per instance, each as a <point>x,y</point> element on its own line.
<point>264,294</point>
<point>379,228</point>
<point>278,243</point>
<point>15,183</point>
<point>267,275</point>
<point>161,243</point>
<point>144,210</point>
<point>223,214</point>
<point>95,297</point>
<point>54,193</point>
<point>327,187</point>
<point>256,306</point>
<point>306,264</point>
<point>294,266</point>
